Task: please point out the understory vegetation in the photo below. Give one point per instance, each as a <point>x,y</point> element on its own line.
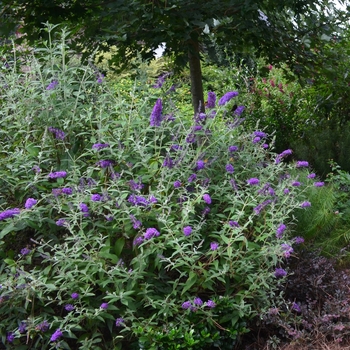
<point>127,222</point>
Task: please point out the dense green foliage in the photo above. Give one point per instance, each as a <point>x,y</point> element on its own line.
<point>288,31</point>
<point>126,224</point>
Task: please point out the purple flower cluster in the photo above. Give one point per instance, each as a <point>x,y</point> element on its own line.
<point>227,97</point>
<point>100,78</point>
<point>168,162</point>
<point>200,165</point>
<point>156,115</point>
<point>319,184</point>
<point>25,251</point>
<point>57,175</point>
<point>104,306</point>
<point>239,110</point>
<point>280,230</point>
<point>84,209</point>
<point>52,85</point>
<point>305,204</point>
<point>229,168</point>
<point>141,201</point>
<point>187,230</point>
<point>280,156</point>
<point>119,322</point>
<point>214,245</point>
<point>207,198</point>
<point>30,202</point>
<point>59,134</point>
<point>96,197</point>
<point>211,100</point>
<point>62,222</point>
<point>69,307</point>
<point>192,178</point>
<point>253,181</point>
<point>105,163</point>
<point>9,213</point>
<point>43,326</point>
<point>302,164</point>
<point>58,334</point>
<point>261,206</point>
<point>150,233</point>
<point>136,186</point>
<point>197,302</point>
<point>287,250</point>
<point>177,184</point>
<point>279,272</point>
<point>136,224</point>
<point>161,80</point>
<point>99,146</point>
<point>233,149</point>
<point>233,223</point>
<point>74,295</point>
<point>299,240</point>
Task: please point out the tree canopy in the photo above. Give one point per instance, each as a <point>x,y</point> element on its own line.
<point>292,31</point>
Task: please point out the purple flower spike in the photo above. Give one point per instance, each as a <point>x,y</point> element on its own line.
<point>10,337</point>
<point>296,307</point>
<point>187,230</point>
<point>57,175</point>
<point>151,232</point>
<point>280,229</point>
<point>96,197</point>
<point>287,250</point>
<point>74,296</point>
<point>186,305</point>
<point>58,334</point>
<point>156,115</point>
<point>232,149</point>
<point>200,165</point>
<point>299,240</point>
<point>25,251</point>
<point>279,272</point>
<point>233,223</point>
<point>9,213</point>
<point>319,184</point>
<point>305,204</point>
<point>104,306</point>
<point>99,146</point>
<point>239,110</point>
<point>302,164</point>
<point>253,181</point>
<point>52,85</point>
<point>311,176</point>
<point>211,99</point>
<point>69,307</point>
<point>207,198</point>
<point>119,322</point>
<point>214,245</point>
<point>210,303</point>
<point>227,97</point>
<point>198,301</point>
<point>177,184</point>
<point>229,168</point>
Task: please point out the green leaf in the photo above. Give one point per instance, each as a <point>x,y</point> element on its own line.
<point>118,246</point>
<point>190,282</point>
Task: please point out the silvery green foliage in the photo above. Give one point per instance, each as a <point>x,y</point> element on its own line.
<point>168,235</point>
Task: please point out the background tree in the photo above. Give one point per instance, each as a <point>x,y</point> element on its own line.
<point>291,31</point>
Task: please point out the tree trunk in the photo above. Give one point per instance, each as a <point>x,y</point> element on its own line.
<point>196,77</point>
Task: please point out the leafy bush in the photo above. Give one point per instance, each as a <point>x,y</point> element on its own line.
<point>144,228</point>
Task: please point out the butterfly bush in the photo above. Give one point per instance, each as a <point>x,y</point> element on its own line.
<point>178,239</point>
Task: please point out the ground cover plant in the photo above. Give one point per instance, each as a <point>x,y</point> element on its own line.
<point>126,224</point>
